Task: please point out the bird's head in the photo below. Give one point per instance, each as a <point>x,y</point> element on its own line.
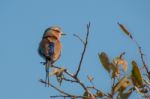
<point>53,31</point>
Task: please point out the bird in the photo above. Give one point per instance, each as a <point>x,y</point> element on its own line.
<point>50,48</point>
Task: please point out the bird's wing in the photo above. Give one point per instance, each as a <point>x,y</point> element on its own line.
<point>44,47</point>
<point>57,50</point>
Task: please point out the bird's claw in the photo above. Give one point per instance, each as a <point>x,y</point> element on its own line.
<point>44,63</point>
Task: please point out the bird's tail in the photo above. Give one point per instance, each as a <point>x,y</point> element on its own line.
<point>48,64</point>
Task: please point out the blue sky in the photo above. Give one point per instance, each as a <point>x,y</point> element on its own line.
<point>22,23</point>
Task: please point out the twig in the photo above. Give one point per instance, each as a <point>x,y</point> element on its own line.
<point>139,47</point>
<point>121,55</point>
<point>75,78</point>
<point>113,84</point>
<point>75,97</point>
<point>142,57</point>
<point>65,93</point>
<point>70,80</point>
<point>85,46</point>
<point>93,87</point>
<point>79,38</point>
<point>61,91</point>
<point>143,61</point>
<point>66,71</point>
<point>65,96</point>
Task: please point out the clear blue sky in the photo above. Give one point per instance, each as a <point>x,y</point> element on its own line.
<point>22,23</point>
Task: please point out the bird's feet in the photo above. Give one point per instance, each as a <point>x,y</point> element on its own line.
<point>44,63</point>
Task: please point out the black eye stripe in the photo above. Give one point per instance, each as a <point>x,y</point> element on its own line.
<point>56,30</point>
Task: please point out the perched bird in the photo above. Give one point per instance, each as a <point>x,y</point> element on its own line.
<point>50,48</point>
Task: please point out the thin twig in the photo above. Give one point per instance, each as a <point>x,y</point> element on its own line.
<point>61,91</point>
<point>143,61</point>
<point>70,80</point>
<point>65,96</point>
<point>79,38</point>
<point>113,84</point>
<point>66,71</point>
<point>75,78</point>
<point>121,55</point>
<point>142,57</point>
<point>139,47</point>
<point>93,87</point>
<point>85,46</point>
<point>84,87</point>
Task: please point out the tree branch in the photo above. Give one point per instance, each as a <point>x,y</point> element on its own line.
<point>75,78</point>
<point>83,53</point>
<point>65,96</point>
<point>70,80</point>
<point>143,61</point>
<point>142,57</point>
<point>61,91</point>
<point>79,38</point>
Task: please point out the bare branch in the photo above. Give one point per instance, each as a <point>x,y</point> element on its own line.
<point>70,80</point>
<point>142,57</point>
<point>93,87</point>
<point>112,90</point>
<point>65,96</point>
<point>143,61</point>
<point>61,91</point>
<point>66,71</point>
<point>74,77</point>
<point>83,53</point>
<point>121,55</point>
<point>79,38</point>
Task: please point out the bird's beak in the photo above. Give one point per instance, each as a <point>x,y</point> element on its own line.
<point>63,34</point>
